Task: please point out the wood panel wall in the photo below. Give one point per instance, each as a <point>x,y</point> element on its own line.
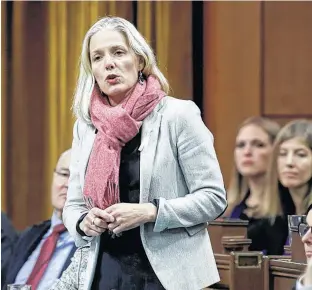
<point>257,58</point>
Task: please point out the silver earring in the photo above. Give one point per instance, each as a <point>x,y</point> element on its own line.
<point>141,78</point>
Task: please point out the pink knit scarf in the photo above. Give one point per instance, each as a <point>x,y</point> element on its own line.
<point>116,126</point>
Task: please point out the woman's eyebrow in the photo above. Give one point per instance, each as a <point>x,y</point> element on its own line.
<point>113,47</point>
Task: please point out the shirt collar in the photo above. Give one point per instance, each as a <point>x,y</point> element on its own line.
<point>55,220</point>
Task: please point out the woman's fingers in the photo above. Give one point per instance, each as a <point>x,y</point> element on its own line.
<point>92,233</point>
<point>102,214</point>
<point>95,222</point>
<point>112,226</point>
<point>89,229</point>
<point>99,223</point>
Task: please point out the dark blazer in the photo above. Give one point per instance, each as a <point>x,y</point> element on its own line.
<point>27,243</point>
<point>8,239</point>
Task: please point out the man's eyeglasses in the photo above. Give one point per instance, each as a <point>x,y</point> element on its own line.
<point>303,229</point>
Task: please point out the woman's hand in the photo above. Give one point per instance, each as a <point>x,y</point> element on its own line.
<point>96,222</point>
<point>130,215</point>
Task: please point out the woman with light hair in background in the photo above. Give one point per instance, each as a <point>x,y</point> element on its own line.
<point>253,147</point>
<point>144,176</point>
<point>289,180</point>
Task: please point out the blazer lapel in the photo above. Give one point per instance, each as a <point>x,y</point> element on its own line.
<point>149,140</point>
<point>85,155</point>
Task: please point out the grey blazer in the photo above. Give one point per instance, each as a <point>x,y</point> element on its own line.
<point>178,166</point>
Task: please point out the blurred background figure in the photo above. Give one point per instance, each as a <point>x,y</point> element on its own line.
<point>306,234</point>
<point>44,250</point>
<point>305,282</point>
<point>282,181</point>
<point>253,147</point>
<point>289,183</point>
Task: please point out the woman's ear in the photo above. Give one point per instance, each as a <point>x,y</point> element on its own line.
<point>141,63</point>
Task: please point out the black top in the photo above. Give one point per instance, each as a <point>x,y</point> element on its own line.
<point>128,248</point>
<point>267,235</point>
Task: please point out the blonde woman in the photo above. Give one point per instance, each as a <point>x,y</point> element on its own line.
<point>289,180</point>
<point>253,147</point>
<point>144,176</point>
<point>289,186</point>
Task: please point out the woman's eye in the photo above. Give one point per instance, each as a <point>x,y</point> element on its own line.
<point>258,144</point>
<point>240,145</point>
<point>119,52</point>
<point>96,58</point>
<point>301,154</point>
<point>282,153</point>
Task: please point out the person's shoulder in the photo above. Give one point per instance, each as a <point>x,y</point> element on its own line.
<point>39,227</point>
<point>7,229</point>
<point>174,107</point>
<point>6,224</point>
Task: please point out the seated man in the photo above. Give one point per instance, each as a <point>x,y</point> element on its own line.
<point>8,240</point>
<point>305,282</point>
<point>44,251</point>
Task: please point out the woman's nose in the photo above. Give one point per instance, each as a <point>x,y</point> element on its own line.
<point>247,150</point>
<point>109,63</point>
<point>290,160</point>
<point>307,238</point>
<point>66,182</point>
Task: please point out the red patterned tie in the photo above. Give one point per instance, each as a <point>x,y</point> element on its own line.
<point>45,256</point>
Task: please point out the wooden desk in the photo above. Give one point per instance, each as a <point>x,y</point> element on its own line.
<point>226,230</point>
<point>282,274</point>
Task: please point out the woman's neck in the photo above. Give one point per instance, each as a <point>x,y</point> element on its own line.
<point>297,195</point>
<point>255,185</point>
<point>117,99</point>
<point>114,101</point>
<point>253,202</point>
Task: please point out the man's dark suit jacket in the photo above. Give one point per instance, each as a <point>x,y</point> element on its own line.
<point>27,243</point>
<point>8,239</point>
